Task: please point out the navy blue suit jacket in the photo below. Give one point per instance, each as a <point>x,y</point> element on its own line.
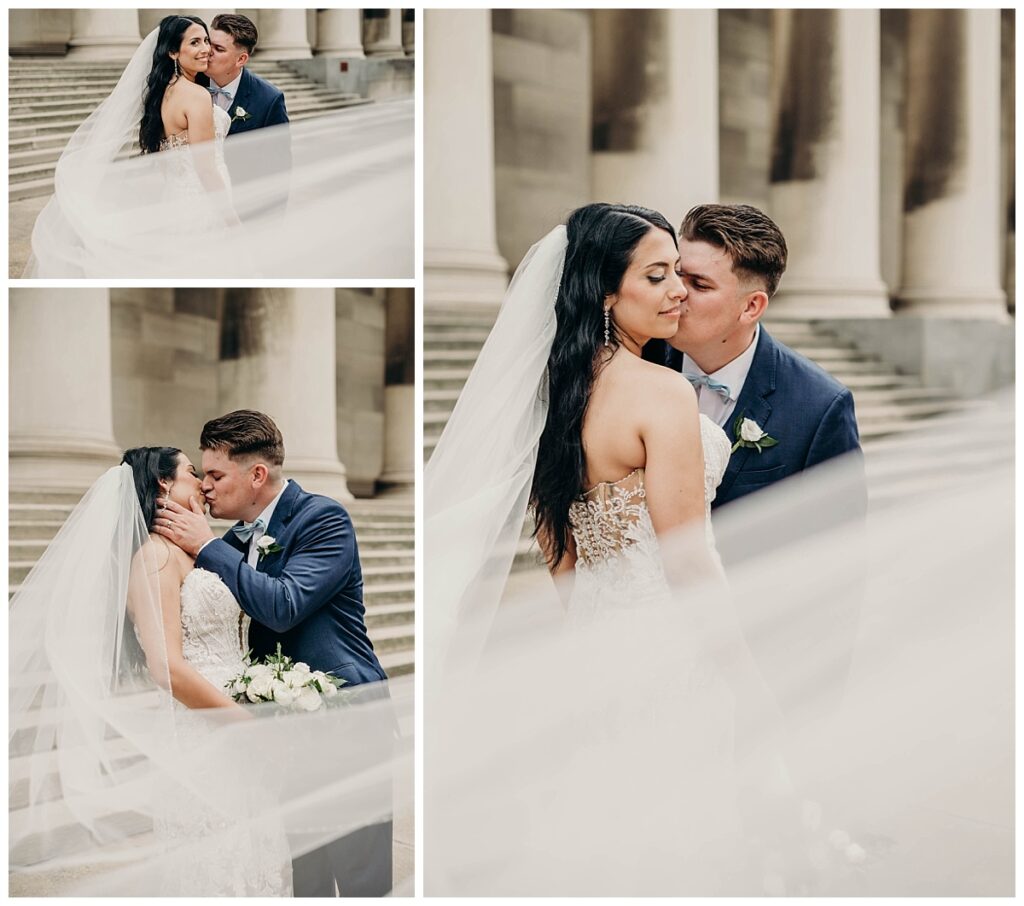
<point>263,103</point>
<point>801,405</point>
<point>308,596</point>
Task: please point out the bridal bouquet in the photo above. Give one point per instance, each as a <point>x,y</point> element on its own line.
<point>280,679</point>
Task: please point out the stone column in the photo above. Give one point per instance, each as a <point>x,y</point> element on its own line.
<point>283,35</point>
<point>103,34</point>
<point>150,18</point>
<point>461,260</point>
<point>340,33</point>
<point>283,364</point>
<point>61,414</point>
<point>409,32</point>
<point>674,122</point>
<point>399,470</point>
<point>951,211</point>
<point>825,168</point>
<point>387,41</point>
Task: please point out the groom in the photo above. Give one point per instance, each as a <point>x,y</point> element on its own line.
<point>252,103</point>
<point>732,258</point>
<point>303,588</point>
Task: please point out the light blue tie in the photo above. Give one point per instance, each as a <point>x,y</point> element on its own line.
<point>214,90</point>
<point>246,529</point>
<point>703,380</point>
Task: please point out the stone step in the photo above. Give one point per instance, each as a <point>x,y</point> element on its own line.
<point>395,612</point>
<point>397,663</point>
<point>393,637</point>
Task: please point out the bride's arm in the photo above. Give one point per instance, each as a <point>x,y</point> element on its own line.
<point>674,476</point>
<point>159,627</point>
<point>199,120</point>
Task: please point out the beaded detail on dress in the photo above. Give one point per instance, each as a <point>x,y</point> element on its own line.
<point>214,631</point>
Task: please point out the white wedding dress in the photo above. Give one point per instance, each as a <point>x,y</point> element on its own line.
<point>253,863</point>
<point>618,560</point>
<point>182,177</point>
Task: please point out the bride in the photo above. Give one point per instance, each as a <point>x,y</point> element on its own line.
<point>119,788</point>
<point>626,742</point>
<point>118,213</point>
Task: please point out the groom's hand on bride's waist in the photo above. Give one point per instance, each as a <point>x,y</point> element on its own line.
<point>186,528</point>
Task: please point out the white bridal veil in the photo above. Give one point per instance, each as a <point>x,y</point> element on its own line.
<point>102,761</point>
<point>838,721</point>
<point>330,196</point>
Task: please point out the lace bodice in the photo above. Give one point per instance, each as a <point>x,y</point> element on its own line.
<point>616,547</point>
<point>221,126</point>
<point>215,632</point>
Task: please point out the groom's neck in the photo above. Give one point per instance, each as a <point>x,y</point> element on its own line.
<point>265,497</point>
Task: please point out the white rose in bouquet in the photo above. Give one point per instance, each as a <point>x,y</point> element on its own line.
<point>282,692</point>
<point>309,700</point>
<point>261,685</point>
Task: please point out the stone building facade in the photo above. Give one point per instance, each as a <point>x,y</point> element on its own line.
<point>285,34</point>
<point>882,142</point>
<point>95,371</point>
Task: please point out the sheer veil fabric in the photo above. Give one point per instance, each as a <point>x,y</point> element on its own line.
<point>330,196</point>
<point>101,756</point>
<point>477,483</point>
<point>836,720</point>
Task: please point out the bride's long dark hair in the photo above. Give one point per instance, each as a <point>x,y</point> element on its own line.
<point>168,40</point>
<point>149,465</point>
<point>601,239</point>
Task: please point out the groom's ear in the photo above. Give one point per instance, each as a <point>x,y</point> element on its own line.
<point>757,302</point>
<point>260,473</point>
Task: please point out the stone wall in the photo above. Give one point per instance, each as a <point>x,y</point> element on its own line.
<point>361,360</point>
<point>165,352</point>
<point>744,105</point>
<point>541,121</point>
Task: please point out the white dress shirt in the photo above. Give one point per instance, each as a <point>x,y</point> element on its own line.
<point>259,532</point>
<point>733,375</point>
<point>232,87</point>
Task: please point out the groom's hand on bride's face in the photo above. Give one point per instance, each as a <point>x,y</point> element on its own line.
<point>186,528</point>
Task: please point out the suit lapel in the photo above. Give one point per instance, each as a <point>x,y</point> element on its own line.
<point>752,403</point>
<point>241,100</point>
<point>283,513</point>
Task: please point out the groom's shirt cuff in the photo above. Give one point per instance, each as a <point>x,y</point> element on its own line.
<point>198,552</point>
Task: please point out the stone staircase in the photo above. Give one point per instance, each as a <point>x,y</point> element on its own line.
<point>386,536</point>
<point>50,97</point>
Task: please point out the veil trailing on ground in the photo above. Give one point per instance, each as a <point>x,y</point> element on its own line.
<point>330,196</point>
<point>102,761</point>
<point>837,721</point>
<point>477,483</point>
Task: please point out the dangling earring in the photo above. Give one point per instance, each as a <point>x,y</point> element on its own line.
<point>177,70</point>
<point>607,319</point>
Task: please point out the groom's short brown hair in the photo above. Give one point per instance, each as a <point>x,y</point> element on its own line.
<point>241,28</point>
<point>244,433</point>
<point>753,241</point>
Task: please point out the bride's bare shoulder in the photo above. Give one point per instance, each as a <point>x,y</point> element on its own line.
<point>649,385</point>
<point>158,554</point>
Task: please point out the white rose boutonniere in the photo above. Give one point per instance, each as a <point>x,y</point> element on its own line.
<point>241,114</point>
<point>268,545</point>
<point>749,433</point>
